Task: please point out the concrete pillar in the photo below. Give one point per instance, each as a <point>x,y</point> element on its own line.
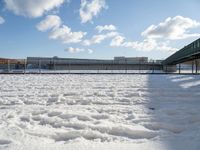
<point>196,64</point>
<point>179,68</point>
<point>192,67</point>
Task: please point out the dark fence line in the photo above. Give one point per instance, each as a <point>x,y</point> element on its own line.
<point>60,68</point>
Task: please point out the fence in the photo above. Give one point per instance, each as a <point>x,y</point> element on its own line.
<point>75,66</point>
<point>41,65</point>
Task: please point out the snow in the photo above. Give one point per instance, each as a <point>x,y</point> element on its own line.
<point>81,112</point>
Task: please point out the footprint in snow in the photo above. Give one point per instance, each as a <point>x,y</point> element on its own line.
<point>4,142</point>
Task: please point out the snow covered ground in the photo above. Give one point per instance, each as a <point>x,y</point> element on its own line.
<point>95,112</point>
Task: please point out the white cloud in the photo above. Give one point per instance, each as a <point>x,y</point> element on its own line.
<point>106,28</point>
<point>149,45</point>
<point>117,41</point>
<point>90,51</point>
<point>58,31</point>
<point>96,39</point>
<point>65,34</point>
<point>2,20</point>
<point>145,45</point>
<point>156,37</point>
<point>77,50</point>
<point>32,8</point>
<point>172,28</point>
<point>90,8</point>
<point>50,22</point>
<point>74,50</point>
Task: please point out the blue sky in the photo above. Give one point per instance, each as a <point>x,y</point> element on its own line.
<point>97,28</point>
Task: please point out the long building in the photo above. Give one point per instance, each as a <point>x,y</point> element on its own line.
<point>6,63</point>
<point>118,63</point>
<point>133,60</point>
<point>56,63</point>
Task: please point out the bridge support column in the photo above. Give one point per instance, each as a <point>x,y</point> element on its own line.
<point>169,68</point>
<point>179,68</point>
<point>196,64</point>
<point>192,67</point>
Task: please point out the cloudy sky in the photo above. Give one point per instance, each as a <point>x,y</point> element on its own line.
<point>97,28</point>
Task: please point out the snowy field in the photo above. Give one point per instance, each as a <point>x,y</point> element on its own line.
<point>99,112</point>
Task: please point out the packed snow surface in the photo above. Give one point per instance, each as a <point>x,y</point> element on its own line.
<point>83,112</point>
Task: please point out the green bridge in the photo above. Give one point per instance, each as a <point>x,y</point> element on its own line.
<point>190,52</point>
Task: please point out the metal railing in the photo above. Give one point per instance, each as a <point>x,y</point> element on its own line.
<point>63,66</point>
